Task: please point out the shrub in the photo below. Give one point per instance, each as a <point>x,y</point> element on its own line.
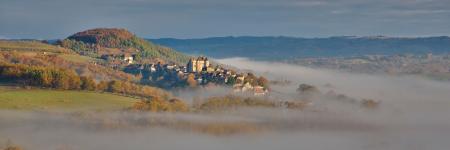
<point>230,101</point>
<point>370,103</point>
<point>87,83</point>
<point>191,80</point>
<point>13,148</point>
<point>40,76</point>
<point>156,104</point>
<point>306,88</point>
<point>102,86</point>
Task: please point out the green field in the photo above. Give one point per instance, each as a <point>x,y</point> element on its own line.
<point>33,46</point>
<point>51,100</point>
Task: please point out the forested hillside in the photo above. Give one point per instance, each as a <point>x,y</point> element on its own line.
<point>101,41</point>
<point>37,65</point>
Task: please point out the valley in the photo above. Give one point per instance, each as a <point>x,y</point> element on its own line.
<point>109,86</point>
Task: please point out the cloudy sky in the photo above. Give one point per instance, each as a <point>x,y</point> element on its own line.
<point>46,19</point>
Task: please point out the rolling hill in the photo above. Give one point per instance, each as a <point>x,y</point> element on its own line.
<point>36,53</point>
<point>290,47</point>
<point>61,79</point>
<point>113,41</point>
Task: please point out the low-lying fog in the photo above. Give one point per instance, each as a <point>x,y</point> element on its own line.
<point>408,92</point>
<point>413,114</point>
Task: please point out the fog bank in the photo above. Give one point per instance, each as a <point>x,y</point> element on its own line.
<point>398,91</point>
<point>413,115</point>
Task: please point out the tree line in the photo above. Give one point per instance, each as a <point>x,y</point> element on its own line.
<point>56,78</point>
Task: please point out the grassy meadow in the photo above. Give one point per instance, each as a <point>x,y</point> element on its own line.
<point>50,100</point>
<point>34,46</point>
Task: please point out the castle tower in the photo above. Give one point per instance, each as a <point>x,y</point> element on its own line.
<point>197,65</point>
<point>192,65</point>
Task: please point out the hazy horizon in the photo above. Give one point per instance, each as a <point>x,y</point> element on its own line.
<point>412,115</point>
<point>51,19</point>
<point>239,36</point>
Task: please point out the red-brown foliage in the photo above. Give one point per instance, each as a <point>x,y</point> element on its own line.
<point>104,37</point>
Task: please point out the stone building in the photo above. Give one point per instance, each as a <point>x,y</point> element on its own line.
<point>128,58</point>
<point>197,65</point>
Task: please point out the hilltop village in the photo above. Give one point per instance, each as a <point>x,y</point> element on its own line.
<point>197,72</point>
<point>157,65</point>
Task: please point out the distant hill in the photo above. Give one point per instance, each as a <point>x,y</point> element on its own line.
<point>100,41</point>
<point>291,47</point>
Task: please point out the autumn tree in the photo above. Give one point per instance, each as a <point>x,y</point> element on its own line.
<point>40,76</point>
<point>263,82</point>
<point>74,80</point>
<point>87,83</point>
<point>157,104</point>
<point>102,86</point>
<point>115,86</point>
<point>191,80</point>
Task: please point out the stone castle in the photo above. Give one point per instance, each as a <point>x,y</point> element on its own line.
<point>197,65</point>
<point>203,73</point>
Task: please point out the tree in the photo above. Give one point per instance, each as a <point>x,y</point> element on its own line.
<point>231,81</point>
<point>74,80</point>
<point>60,80</point>
<point>102,86</point>
<point>115,86</point>
<point>46,79</point>
<point>87,83</point>
<point>307,91</point>
<point>191,80</point>
<point>263,82</point>
<point>370,103</point>
<point>156,104</point>
<point>65,80</point>
<point>139,75</point>
<point>252,79</point>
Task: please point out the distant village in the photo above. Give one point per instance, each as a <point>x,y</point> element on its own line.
<point>197,72</point>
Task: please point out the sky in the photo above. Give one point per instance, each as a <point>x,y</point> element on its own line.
<point>50,19</point>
